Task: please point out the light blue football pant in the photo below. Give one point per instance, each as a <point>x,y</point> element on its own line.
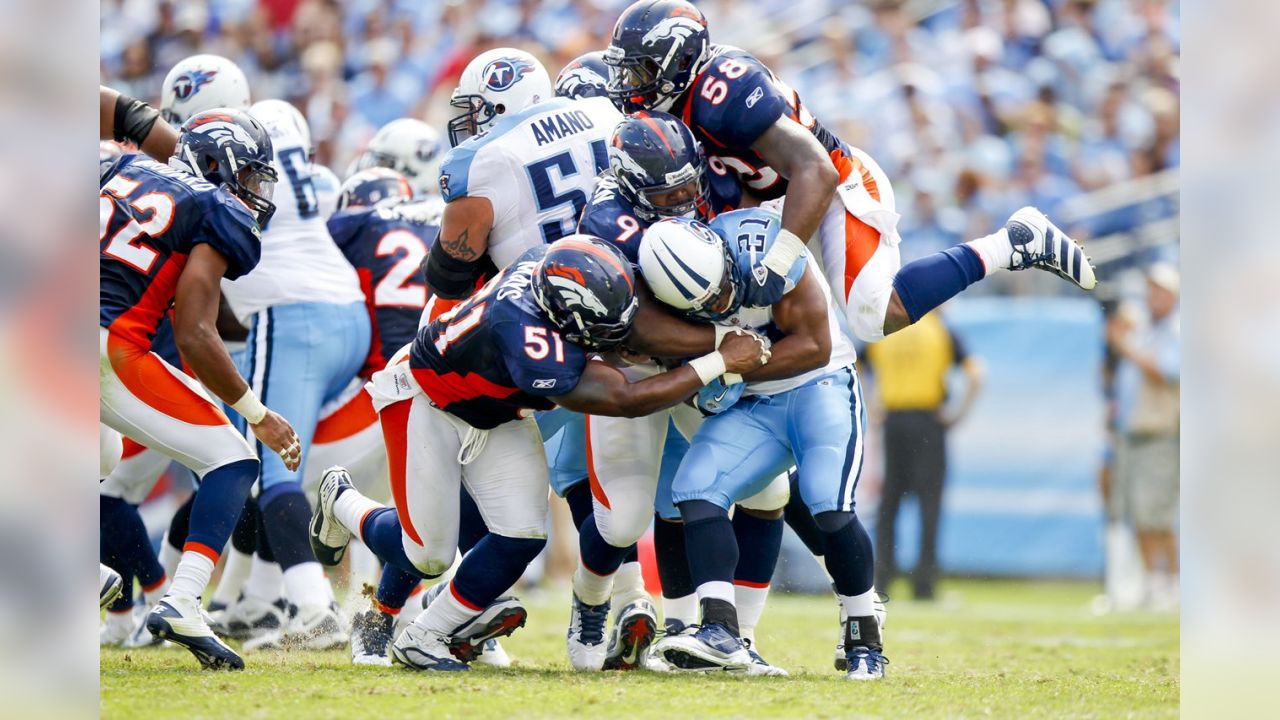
<point>818,427</point>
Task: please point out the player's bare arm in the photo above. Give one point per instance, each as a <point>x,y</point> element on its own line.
<point>658,332</point>
<point>797,155</point>
<point>802,315</point>
<point>603,390</point>
<point>195,330</point>
<point>121,118</point>
<point>456,260</point>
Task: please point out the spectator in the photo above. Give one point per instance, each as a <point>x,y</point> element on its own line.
<point>1147,401</point>
<point>911,368</point>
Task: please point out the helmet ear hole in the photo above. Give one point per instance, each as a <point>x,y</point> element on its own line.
<point>499,108</point>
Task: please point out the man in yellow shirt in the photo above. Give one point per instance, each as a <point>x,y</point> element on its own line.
<point>911,368</point>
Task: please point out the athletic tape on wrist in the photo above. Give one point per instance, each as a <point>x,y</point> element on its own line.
<point>709,366</point>
<point>250,407</point>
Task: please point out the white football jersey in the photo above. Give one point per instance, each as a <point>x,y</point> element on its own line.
<point>536,167</point>
<point>300,262</point>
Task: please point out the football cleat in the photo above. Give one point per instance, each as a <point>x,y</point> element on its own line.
<point>311,628</point>
<point>710,647</point>
<point>423,649</point>
<point>179,620</point>
<point>328,537</point>
<point>503,617</point>
<point>116,628</point>
<point>633,631</point>
<point>1038,243</point>
<point>110,586</point>
<point>864,655</point>
<point>882,616</point>
<point>493,655</point>
<point>141,637</point>
<point>759,666</point>
<point>585,639</point>
<point>370,636</point>
<point>251,617</point>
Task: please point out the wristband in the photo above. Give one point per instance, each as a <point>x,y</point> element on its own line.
<point>722,331</point>
<point>250,407</point>
<point>787,247</point>
<point>709,366</point>
<point>731,378</point>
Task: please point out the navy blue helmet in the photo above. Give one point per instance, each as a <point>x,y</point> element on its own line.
<point>586,287</point>
<point>231,149</point>
<point>374,187</point>
<point>657,48</point>
<point>587,76</point>
<point>660,167</point>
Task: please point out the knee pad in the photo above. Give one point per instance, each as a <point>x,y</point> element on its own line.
<point>773,497</point>
<point>624,524</point>
<point>832,520</point>
<point>429,563</point>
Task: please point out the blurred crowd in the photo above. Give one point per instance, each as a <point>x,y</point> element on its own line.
<point>973,107</point>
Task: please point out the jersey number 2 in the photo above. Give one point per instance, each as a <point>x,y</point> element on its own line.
<point>397,288</point>
<point>126,245</point>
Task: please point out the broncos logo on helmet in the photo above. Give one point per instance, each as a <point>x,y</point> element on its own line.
<point>680,27</point>
<point>224,129</point>
<point>505,72</point>
<point>189,84</point>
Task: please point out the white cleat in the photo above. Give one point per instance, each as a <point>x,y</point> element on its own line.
<point>493,655</point>
<point>633,632</point>
<point>422,649</point>
<point>250,617</point>
<point>1038,243</point>
<point>585,639</point>
<point>181,621</point>
<point>881,613</point>
<point>110,586</point>
<point>709,647</point>
<point>312,628</point>
<point>370,637</point>
<point>116,628</point>
<point>760,666</point>
<point>328,537</point>
<point>503,617</point>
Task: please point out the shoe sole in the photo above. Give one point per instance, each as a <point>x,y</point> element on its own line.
<point>502,625</point>
<point>682,660</point>
<point>397,656</point>
<point>111,591</point>
<point>210,654</point>
<point>636,635</point>
<point>325,555</point>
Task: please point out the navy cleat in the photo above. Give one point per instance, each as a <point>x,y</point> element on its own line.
<point>864,655</point>
<point>1038,243</point>
<point>632,634</point>
<point>585,639</point>
<point>110,586</point>
<point>710,647</point>
<point>179,620</point>
<point>328,537</point>
<point>422,649</point>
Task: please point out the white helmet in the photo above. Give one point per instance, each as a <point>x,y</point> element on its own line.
<point>278,116</point>
<point>202,82</point>
<point>496,82</point>
<point>411,148</point>
<point>689,267</point>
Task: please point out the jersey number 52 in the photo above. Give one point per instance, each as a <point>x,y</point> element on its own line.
<point>126,243</point>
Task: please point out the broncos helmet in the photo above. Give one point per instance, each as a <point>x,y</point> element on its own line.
<point>231,149</point>
<point>660,167</point>
<point>374,187</point>
<point>586,287</point>
<point>587,76</point>
<point>658,46</point>
<point>690,268</point>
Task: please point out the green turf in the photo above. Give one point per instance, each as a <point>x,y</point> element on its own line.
<point>995,649</point>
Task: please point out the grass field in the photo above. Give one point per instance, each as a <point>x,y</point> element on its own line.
<point>987,649</point>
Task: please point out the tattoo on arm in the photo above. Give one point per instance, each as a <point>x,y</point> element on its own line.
<point>460,248</point>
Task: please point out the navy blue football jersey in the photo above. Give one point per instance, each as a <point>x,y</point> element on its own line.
<point>731,103</point>
<point>497,353</point>
<point>386,246</point>
<point>610,216</point>
<point>151,217</point>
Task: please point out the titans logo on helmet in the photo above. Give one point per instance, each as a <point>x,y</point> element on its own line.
<point>502,73</point>
<point>189,84</point>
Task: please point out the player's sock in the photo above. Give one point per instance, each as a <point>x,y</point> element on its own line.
<point>800,520</point>
<point>628,583</point>
<point>169,555</point>
<point>491,568</point>
<point>265,581</point>
<point>850,558</point>
<point>578,496</point>
<point>679,596</point>
<point>351,508</point>
<point>860,605</point>
<point>599,559</point>
<point>713,556</point>
<point>286,516</point>
<point>471,527</point>
<point>213,513</point>
<point>591,587</point>
<point>395,587</point>
<point>924,284</point>
<point>238,557</point>
<point>683,610</point>
<point>380,530</point>
<point>995,251</point>
<point>759,544</point>
<point>447,612</point>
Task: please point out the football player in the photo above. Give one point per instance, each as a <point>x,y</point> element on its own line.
<point>410,147</point>
<point>657,170</point>
<point>804,409</point>
<point>454,409</point>
<point>662,58</point>
<point>169,234</point>
<point>585,76</point>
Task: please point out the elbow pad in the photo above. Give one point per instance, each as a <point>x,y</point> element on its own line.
<point>133,120</point>
<point>451,278</point>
